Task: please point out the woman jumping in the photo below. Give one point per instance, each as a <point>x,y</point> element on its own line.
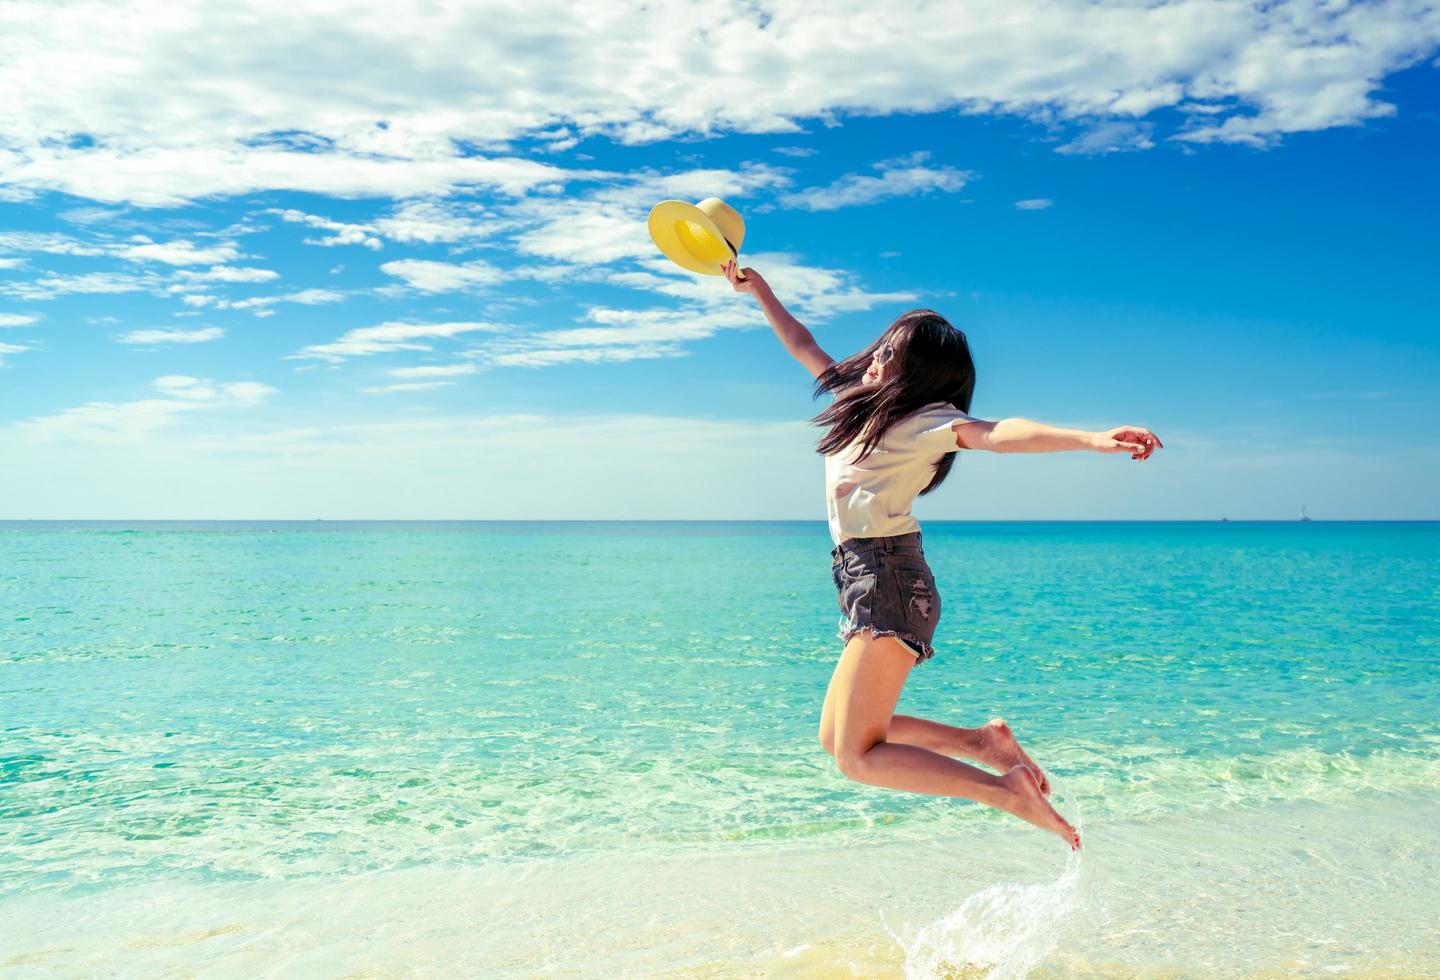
<point>897,420</point>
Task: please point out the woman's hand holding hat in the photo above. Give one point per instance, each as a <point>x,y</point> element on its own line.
<point>744,281</point>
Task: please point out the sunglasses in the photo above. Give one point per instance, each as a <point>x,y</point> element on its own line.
<point>885,355</point>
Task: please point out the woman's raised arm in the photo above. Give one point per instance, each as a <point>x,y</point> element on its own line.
<point>792,333</point>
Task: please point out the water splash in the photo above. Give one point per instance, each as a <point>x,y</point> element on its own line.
<point>1005,930</point>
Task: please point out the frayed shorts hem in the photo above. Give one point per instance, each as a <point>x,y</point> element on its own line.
<point>921,650</point>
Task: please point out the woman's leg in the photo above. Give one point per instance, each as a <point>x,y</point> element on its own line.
<point>867,686</point>
<point>993,744</point>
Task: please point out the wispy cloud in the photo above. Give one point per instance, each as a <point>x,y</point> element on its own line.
<point>407,386</point>
<point>341,233</point>
<point>1111,137</point>
<point>51,286</point>
<point>442,277</point>
<point>11,349</point>
<point>174,175</point>
<point>227,273</point>
<point>425,221</point>
<point>180,394</point>
<point>177,252</point>
<point>1034,204</point>
<point>620,334</point>
<point>17,319</point>
<point>198,336</point>
<point>904,177</point>
<point>815,292</point>
<point>432,371</point>
<point>305,297</point>
<point>589,355</point>
<point>386,337</point>
<point>50,242</point>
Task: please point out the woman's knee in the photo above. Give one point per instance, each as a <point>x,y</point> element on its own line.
<point>827,739</point>
<point>852,763</point>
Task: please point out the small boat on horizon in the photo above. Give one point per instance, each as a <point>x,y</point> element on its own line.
<point>1303,515</point>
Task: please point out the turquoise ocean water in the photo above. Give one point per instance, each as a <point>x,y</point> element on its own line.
<point>590,749</point>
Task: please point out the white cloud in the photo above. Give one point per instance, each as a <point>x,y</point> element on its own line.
<point>138,249</point>
<point>89,216</point>
<point>410,386</point>
<point>176,175</point>
<point>1034,204</point>
<point>1111,137</point>
<point>590,355</point>
<point>17,320</point>
<point>341,232</point>
<point>635,73</point>
<point>176,252</point>
<point>710,305</point>
<point>199,336</point>
<point>905,177</point>
<point>442,277</point>
<point>796,151</point>
<point>11,349</point>
<point>184,386</point>
<point>432,371</point>
<point>387,337</point>
<point>621,335</point>
<point>614,334</point>
<point>431,221</point>
<point>49,287</point>
<point>645,326</point>
<point>414,221</point>
<point>305,297</point>
<point>51,242</point>
<point>814,292</point>
<point>227,273</point>
<point>120,422</point>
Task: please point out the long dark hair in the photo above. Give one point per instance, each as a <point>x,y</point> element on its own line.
<point>932,363</point>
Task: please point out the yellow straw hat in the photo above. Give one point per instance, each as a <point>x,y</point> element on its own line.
<point>699,237</point>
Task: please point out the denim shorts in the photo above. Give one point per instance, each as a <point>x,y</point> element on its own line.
<point>885,584</point>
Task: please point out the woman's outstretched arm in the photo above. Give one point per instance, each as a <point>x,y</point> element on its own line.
<point>1017,435</point>
<point>792,333</point>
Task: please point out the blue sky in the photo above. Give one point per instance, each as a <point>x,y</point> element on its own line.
<point>317,266</point>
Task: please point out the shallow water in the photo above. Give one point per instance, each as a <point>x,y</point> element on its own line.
<point>591,749</point>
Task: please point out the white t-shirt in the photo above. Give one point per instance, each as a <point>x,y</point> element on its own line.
<point>873,498</point>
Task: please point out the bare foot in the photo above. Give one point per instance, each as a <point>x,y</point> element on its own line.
<point>1006,753</point>
<point>1026,802</point>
